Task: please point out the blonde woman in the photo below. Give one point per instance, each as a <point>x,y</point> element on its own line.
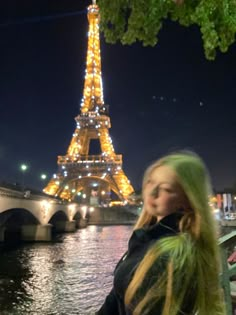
<point>172,263</point>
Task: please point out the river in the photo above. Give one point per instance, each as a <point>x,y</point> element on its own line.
<point>68,276</point>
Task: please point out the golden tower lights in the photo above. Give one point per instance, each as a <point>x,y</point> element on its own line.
<point>80,173</point>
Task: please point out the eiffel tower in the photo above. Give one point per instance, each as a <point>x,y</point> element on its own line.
<point>81,175</point>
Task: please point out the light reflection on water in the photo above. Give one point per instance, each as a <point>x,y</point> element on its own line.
<point>62,278</point>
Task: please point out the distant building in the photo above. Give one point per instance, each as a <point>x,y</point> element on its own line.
<point>226,201</point>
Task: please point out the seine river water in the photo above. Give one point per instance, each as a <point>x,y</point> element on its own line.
<point>71,275</point>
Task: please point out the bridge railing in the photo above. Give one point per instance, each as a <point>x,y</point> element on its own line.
<point>27,194</point>
<point>228,271</point>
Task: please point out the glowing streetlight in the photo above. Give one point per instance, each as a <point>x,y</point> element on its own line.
<point>43,176</point>
<point>23,168</point>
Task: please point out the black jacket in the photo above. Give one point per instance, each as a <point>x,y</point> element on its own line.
<point>139,243</point>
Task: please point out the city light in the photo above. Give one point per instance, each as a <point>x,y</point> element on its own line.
<point>23,168</point>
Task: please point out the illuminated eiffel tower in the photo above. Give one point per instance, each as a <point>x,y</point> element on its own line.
<point>81,175</point>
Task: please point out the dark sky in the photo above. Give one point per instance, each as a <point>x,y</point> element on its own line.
<point>161,99</point>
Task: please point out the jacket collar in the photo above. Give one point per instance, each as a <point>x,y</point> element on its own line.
<point>169,225</point>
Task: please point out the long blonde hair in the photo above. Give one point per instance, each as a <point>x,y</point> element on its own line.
<point>193,261</point>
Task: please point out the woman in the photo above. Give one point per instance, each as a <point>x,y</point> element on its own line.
<point>172,263</point>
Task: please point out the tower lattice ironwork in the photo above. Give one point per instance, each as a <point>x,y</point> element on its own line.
<point>81,175</point>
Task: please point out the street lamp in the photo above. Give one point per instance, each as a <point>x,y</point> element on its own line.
<point>23,168</point>
<point>43,176</point>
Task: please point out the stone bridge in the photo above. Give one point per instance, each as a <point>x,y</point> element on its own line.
<point>34,216</point>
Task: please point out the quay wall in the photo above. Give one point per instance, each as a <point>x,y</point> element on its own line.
<point>111,216</point>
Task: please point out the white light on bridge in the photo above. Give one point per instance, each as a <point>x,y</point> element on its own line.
<point>84,210</point>
<point>71,211</point>
<point>45,207</point>
<point>45,204</point>
<point>72,207</point>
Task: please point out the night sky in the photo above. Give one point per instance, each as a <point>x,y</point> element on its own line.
<point>161,99</point>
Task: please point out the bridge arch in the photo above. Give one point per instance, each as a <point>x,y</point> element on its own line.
<point>13,220</point>
<point>58,215</point>
<point>35,213</point>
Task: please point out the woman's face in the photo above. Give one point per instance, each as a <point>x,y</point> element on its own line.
<point>162,194</point>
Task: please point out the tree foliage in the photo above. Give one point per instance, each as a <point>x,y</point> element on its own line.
<point>129,21</point>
